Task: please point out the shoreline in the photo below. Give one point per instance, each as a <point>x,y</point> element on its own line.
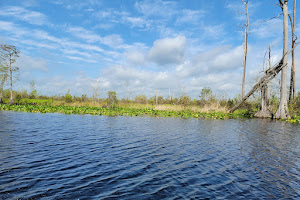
<point>123,111</point>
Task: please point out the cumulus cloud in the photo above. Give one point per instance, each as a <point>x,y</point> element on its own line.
<point>228,59</point>
<point>135,58</point>
<point>168,51</point>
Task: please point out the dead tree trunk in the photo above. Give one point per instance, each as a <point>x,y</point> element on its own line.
<point>1,87</point>
<point>270,83</point>
<point>283,109</point>
<point>264,112</point>
<point>11,101</point>
<point>246,25</point>
<point>268,76</point>
<point>292,93</point>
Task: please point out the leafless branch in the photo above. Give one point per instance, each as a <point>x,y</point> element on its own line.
<point>267,20</point>
<point>241,13</point>
<point>291,20</point>
<point>245,1</point>
<point>281,3</point>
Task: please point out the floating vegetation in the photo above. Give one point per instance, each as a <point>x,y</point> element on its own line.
<point>120,111</point>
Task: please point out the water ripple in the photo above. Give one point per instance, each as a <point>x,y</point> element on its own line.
<point>90,157</point>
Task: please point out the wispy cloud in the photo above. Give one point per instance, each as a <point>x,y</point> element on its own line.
<point>190,16</point>
<point>113,40</point>
<point>271,28</point>
<point>86,5</point>
<point>156,8</point>
<point>28,63</point>
<point>31,17</point>
<point>81,59</point>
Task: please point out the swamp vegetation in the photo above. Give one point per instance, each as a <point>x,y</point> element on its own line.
<point>209,106</point>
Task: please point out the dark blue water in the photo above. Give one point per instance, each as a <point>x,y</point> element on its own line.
<point>56,156</point>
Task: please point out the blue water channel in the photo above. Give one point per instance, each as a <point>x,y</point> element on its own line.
<point>57,156</point>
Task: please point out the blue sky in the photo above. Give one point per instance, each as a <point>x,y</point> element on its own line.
<point>139,46</point>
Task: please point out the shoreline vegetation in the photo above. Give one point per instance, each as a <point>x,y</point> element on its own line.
<point>205,108</point>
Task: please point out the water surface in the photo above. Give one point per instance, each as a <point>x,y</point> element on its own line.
<point>56,156</point>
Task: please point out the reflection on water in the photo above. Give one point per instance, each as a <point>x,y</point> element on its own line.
<point>55,156</point>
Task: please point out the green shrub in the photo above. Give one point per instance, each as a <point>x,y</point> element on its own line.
<point>112,98</point>
<point>18,98</point>
<point>68,98</point>
<point>185,100</point>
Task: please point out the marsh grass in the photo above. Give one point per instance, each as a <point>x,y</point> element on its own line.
<point>130,108</point>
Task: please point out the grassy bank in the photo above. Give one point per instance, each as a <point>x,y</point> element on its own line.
<point>125,111</point>
<point>130,109</point>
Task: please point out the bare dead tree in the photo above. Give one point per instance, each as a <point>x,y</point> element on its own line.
<point>11,53</point>
<point>264,112</point>
<point>282,110</point>
<point>270,83</point>
<point>246,31</point>
<point>268,76</point>
<point>96,94</point>
<point>3,78</point>
<point>292,93</point>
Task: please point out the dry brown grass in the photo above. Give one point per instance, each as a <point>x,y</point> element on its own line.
<point>207,108</point>
<point>167,107</point>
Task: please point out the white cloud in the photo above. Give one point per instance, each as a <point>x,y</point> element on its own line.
<point>75,58</point>
<point>79,4</point>
<point>84,34</point>
<point>135,58</point>
<point>30,3</point>
<point>12,29</point>
<point>156,8</point>
<point>28,63</point>
<point>228,59</point>
<point>113,41</point>
<point>138,22</point>
<point>34,43</point>
<point>31,17</point>
<point>271,28</point>
<point>168,51</point>
<point>214,31</point>
<point>190,16</point>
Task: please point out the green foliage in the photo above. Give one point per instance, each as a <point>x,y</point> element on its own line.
<point>68,98</point>
<point>33,93</point>
<point>112,98</point>
<point>115,111</point>
<point>18,98</point>
<point>36,102</point>
<point>45,106</point>
<point>185,100</point>
<point>294,106</point>
<point>83,98</point>
<point>205,93</point>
